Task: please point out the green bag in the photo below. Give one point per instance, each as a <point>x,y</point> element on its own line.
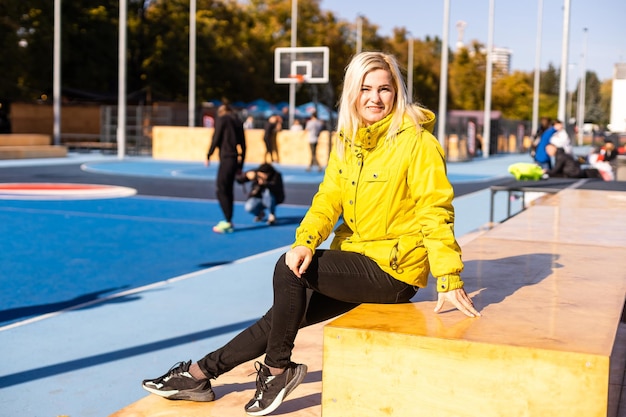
<point>525,171</point>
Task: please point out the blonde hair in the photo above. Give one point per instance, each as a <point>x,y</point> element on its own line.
<point>362,64</point>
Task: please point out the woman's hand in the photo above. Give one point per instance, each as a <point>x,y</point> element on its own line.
<point>460,299</point>
<point>298,260</point>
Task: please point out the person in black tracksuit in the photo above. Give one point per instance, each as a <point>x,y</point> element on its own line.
<point>565,166</point>
<point>229,137</point>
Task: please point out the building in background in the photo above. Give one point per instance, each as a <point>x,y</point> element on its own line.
<point>501,58</point>
<point>618,99</point>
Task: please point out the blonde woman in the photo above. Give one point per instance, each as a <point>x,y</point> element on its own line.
<point>387,179</point>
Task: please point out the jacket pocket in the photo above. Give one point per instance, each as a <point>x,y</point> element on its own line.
<point>375,175</point>
<point>408,254</point>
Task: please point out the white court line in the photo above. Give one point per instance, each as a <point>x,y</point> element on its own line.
<point>141,289</point>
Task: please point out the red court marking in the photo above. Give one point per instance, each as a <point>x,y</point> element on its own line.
<point>62,191</point>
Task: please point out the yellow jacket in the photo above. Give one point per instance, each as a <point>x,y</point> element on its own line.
<point>396,202</point>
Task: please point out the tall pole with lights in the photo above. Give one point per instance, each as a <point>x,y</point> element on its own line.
<point>580,118</point>
<point>535,122</point>
<point>192,64</point>
<point>294,43</point>
<point>121,88</point>
<point>409,75</point>
<point>359,34</point>
<point>56,76</point>
<point>489,76</point>
<point>564,62</point>
<point>443,78</point>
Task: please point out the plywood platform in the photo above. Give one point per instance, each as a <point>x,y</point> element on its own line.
<point>551,286</point>
<point>29,145</point>
<point>32,151</point>
<point>25,139</point>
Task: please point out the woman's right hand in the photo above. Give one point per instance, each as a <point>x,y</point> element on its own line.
<point>298,260</point>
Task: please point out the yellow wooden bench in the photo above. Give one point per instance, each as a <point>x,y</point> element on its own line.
<point>551,286</point>
<point>25,139</point>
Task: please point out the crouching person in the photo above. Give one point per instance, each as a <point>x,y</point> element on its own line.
<point>266,193</point>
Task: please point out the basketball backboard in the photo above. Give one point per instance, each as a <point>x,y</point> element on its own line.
<point>301,64</point>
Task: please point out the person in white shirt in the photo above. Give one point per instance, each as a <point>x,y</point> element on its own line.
<point>561,139</point>
<point>314,127</point>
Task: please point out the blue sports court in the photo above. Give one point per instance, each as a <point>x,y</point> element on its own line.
<point>99,293</point>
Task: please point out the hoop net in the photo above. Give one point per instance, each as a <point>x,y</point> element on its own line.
<point>299,78</point>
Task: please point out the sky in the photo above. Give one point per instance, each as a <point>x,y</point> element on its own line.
<point>515,28</point>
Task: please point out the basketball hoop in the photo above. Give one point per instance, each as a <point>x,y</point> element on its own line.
<point>311,63</point>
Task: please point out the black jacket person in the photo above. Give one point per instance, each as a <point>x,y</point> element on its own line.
<point>229,137</point>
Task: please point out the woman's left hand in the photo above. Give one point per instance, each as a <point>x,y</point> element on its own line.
<point>460,299</point>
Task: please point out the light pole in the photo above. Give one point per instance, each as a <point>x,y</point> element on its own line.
<point>409,80</point>
<point>570,96</point>
<point>443,78</point>
<point>192,64</point>
<point>580,118</point>
<point>487,116</point>
<point>564,58</point>
<point>535,122</point>
<point>56,75</point>
<point>294,42</point>
<point>121,87</point>
<point>359,34</point>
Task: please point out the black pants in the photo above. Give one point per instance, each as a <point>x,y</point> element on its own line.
<point>225,184</point>
<point>334,283</point>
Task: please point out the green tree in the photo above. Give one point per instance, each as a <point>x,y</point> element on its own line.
<point>28,68</point>
<point>89,34</point>
<point>427,73</point>
<point>513,96</point>
<point>320,28</point>
<point>426,65</point>
<point>606,92</point>
<point>548,106</point>
<point>13,44</point>
<point>548,93</point>
<point>235,56</point>
<point>166,62</point>
<point>467,78</point>
<point>549,81</point>
<point>594,111</point>
<point>89,49</point>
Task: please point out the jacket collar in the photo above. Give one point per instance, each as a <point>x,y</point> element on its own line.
<point>368,137</point>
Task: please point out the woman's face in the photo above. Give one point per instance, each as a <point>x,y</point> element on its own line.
<point>376,97</point>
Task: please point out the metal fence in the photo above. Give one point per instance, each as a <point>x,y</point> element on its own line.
<point>464,135</point>
<point>139,123</point>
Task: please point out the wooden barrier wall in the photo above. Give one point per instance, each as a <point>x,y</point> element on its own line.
<point>192,144</point>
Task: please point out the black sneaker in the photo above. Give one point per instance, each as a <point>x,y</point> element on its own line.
<point>272,390</point>
<point>178,384</point>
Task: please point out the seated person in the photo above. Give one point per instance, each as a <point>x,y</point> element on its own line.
<point>607,152</point>
<point>565,166</point>
<point>266,193</point>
